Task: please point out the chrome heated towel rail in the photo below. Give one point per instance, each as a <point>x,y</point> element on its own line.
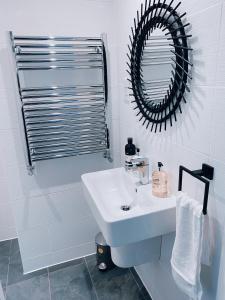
<point>68,118</point>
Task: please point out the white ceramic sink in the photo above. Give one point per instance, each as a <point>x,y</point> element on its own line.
<point>106,191</point>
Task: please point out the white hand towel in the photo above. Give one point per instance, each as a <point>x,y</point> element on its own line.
<point>207,242</point>
<point>187,250</point>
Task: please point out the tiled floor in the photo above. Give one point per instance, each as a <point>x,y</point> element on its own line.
<point>77,280</point>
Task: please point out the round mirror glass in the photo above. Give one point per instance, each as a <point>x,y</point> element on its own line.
<point>156,63</point>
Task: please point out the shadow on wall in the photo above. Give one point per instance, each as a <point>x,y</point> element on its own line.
<point>210,274</point>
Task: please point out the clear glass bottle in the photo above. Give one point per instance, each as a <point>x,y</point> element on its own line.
<point>160,182</point>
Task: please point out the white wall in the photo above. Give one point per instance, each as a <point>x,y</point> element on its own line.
<point>52,219</point>
<point>197,137</point>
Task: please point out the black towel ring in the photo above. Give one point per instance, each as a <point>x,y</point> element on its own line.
<point>207,172</point>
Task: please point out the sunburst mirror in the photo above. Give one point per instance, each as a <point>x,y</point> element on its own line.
<point>159,63</point>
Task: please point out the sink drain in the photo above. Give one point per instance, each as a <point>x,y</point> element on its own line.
<point>125,207</point>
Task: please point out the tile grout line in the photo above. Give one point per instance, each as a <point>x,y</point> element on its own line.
<point>54,265</point>
<point>135,279</point>
<point>6,286</point>
<point>140,288</point>
<point>49,285</point>
<point>61,265</point>
<point>90,277</point>
<point>7,278</point>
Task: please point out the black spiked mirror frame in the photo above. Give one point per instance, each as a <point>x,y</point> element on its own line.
<point>159,15</point>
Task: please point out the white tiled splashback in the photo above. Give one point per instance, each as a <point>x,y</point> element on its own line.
<point>197,136</point>
<point>52,219</point>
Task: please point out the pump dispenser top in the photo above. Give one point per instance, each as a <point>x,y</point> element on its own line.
<point>160,165</point>
<point>130,148</point>
<point>130,151</point>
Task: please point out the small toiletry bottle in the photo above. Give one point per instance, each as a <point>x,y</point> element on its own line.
<point>138,152</point>
<point>130,151</point>
<point>160,182</point>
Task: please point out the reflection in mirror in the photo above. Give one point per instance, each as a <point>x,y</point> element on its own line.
<point>157,67</point>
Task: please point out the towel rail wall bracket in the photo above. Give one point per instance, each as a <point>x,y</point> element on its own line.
<point>205,172</point>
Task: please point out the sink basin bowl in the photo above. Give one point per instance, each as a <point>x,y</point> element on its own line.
<point>106,191</point>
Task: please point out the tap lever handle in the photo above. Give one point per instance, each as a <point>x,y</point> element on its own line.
<point>140,161</point>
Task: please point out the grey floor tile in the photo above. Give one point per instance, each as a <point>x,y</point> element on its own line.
<point>140,285</point>
<point>15,274</point>
<point>145,294</point>
<point>36,288</point>
<point>4,263</point>
<point>4,248</point>
<point>14,248</point>
<point>71,283</point>
<point>4,290</point>
<point>68,281</point>
<point>116,284</point>
<point>136,277</point>
<point>66,264</point>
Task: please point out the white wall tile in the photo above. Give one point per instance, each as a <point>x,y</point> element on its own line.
<point>32,212</point>
<point>77,251</point>
<point>6,216</point>
<point>159,276</point>
<point>205,42</point>
<point>11,147</point>
<point>167,246</point>
<point>61,207</point>
<point>220,80</point>
<point>62,255</point>
<point>67,172</point>
<point>4,194</point>
<point>195,126</point>
<point>219,125</point>
<point>218,181</point>
<point>37,263</point>
<point>194,7</point>
<point>70,234</point>
<point>2,168</point>
<point>196,138</point>
<point>8,118</point>
<point>54,194</point>
<point>35,242</point>
<point>7,233</point>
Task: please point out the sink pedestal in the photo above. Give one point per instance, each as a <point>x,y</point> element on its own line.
<point>136,253</point>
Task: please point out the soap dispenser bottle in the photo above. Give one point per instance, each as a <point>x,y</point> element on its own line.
<point>160,182</point>
<point>130,151</point>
